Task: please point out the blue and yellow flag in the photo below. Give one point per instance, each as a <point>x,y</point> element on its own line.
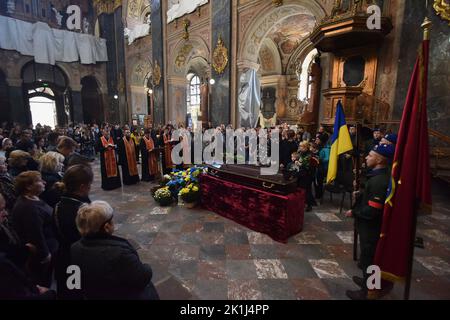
<point>340,142</point>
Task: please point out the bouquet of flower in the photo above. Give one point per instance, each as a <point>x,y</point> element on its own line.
<point>182,179</point>
<point>190,193</point>
<point>163,196</point>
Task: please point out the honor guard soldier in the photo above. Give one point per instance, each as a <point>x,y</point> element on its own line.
<point>368,212</point>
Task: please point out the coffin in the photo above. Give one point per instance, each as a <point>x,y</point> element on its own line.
<point>250,176</point>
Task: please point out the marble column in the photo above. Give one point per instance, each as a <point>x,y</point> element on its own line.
<point>107,32</point>
<point>439,65</point>
<point>158,56</point>
<point>111,29</point>
<point>121,72</point>
<point>18,112</point>
<point>77,106</point>
<point>221,92</point>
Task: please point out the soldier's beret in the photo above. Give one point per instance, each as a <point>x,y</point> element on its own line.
<point>391,138</point>
<point>385,150</point>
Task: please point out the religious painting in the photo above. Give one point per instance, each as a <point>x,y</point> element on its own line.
<point>266,58</point>
<point>182,56</point>
<point>134,8</point>
<point>156,74</point>
<point>288,33</point>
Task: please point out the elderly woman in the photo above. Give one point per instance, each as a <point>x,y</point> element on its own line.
<point>7,147</point>
<point>17,162</point>
<point>51,168</point>
<point>32,220</point>
<point>110,266</point>
<point>7,185</point>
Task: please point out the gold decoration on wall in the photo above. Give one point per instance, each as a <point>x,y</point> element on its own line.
<point>442,8</point>
<point>121,84</point>
<point>220,56</point>
<point>156,74</point>
<point>106,6</point>
<point>186,25</point>
<point>277,3</point>
<point>180,60</point>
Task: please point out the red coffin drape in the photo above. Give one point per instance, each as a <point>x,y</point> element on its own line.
<point>276,215</point>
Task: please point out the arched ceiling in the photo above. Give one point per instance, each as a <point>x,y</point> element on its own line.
<point>288,34</point>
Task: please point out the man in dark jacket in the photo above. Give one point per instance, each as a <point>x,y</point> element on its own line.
<point>77,183</point>
<point>368,212</point>
<point>67,147</point>
<point>110,266</point>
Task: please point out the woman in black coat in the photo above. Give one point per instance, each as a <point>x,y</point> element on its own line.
<point>110,266</point>
<point>33,223</point>
<point>77,185</point>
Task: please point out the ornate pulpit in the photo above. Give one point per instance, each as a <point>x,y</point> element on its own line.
<point>352,33</point>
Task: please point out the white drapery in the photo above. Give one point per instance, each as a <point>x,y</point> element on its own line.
<point>249,99</point>
<point>267,123</point>
<point>137,32</point>
<point>49,45</point>
<point>183,7</point>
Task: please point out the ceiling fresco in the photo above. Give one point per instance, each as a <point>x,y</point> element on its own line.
<point>288,33</point>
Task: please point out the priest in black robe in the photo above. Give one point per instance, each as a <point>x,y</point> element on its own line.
<point>127,159</point>
<point>108,161</point>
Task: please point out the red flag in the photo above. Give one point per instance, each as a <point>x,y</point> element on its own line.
<point>410,188</point>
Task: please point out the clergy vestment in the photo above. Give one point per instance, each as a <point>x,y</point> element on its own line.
<point>127,158</point>
<point>149,159</point>
<point>108,163</point>
<point>168,164</point>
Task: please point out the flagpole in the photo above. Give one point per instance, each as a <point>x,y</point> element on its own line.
<point>356,186</point>
<point>426,26</point>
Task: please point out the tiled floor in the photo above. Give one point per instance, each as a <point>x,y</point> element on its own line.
<point>197,254</point>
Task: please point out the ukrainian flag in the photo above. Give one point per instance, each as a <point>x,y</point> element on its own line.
<point>340,142</point>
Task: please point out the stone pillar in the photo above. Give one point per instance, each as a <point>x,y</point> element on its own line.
<point>221,92</point>
<point>280,103</point>
<point>121,72</point>
<point>111,29</point>
<point>18,112</point>
<point>158,56</point>
<point>77,105</point>
<point>176,100</point>
<point>204,103</point>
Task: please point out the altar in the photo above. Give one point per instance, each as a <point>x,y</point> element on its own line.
<point>277,214</point>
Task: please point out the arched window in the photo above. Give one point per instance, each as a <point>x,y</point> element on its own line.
<point>193,98</point>
<point>304,89</point>
<point>43,107</point>
<point>194,91</point>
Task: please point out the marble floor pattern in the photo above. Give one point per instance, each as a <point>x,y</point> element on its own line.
<point>199,255</point>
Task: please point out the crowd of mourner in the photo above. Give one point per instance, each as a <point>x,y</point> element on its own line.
<point>48,222</point>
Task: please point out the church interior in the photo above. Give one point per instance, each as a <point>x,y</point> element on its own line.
<point>93,70</point>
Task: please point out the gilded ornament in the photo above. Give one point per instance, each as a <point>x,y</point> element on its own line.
<point>181,57</point>
<point>442,8</point>
<point>186,25</point>
<point>277,3</point>
<point>156,74</point>
<point>220,57</point>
